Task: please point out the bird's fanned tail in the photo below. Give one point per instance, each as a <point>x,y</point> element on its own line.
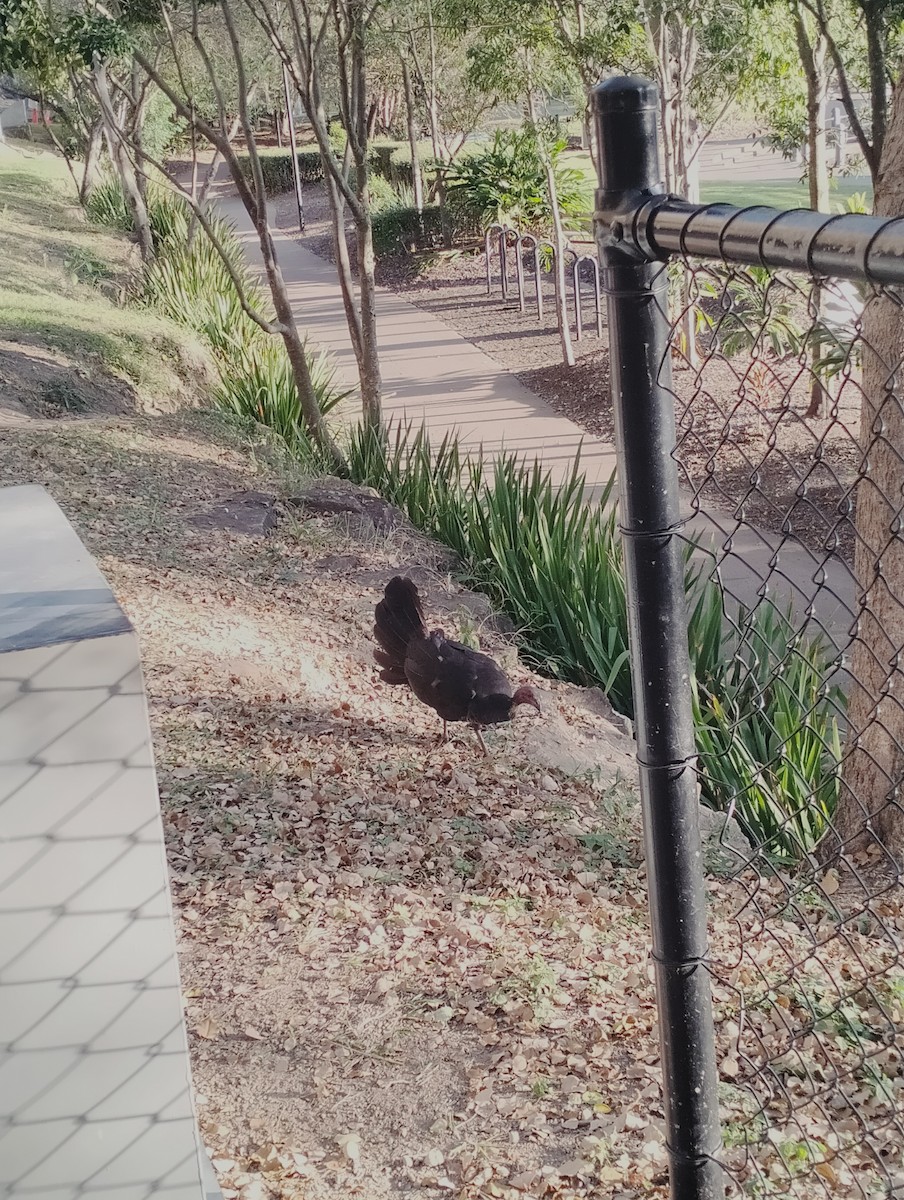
<point>399,618</point>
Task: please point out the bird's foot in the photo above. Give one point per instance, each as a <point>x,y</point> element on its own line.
<point>479,737</point>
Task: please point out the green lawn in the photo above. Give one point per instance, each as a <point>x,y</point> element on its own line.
<point>780,193</point>
<point>64,282</point>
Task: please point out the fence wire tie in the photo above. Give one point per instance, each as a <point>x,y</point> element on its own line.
<point>677,764</point>
<point>679,964</point>
<point>663,531</point>
<point>689,1160</point>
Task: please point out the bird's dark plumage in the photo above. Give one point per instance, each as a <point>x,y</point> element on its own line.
<point>459,683</point>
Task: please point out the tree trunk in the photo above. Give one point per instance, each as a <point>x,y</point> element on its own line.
<point>560,242</point>
<point>873,13</point>
<point>552,191</point>
<point>120,155</point>
<point>343,264</point>
<point>813,56</point>
<point>417,179</point>
<point>282,306</point>
<point>137,112</point>
<point>588,136</point>
<point>432,102</point>
<point>369,363</point>
<point>92,160</point>
<point>869,807</point>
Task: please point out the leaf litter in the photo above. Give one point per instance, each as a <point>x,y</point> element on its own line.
<point>407,968</point>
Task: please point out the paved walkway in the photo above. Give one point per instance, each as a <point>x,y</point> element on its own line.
<point>431,374</point>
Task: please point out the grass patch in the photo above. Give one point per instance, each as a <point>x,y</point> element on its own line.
<point>57,273</point>
<point>780,193</point>
<point>190,284</point>
<point>777,193</point>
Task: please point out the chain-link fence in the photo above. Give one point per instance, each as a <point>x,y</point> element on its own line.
<point>95,1088</point>
<point>757,360</point>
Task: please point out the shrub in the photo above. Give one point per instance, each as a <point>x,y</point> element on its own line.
<point>189,282</point>
<point>259,386</point>
<point>337,136</point>
<point>379,157</point>
<point>276,168</point>
<point>507,183</point>
<point>754,307</point>
<point>168,213</point>
<point>549,558</point>
<point>161,128</point>
<point>768,733</point>
<point>107,205</point>
<point>382,194</point>
<point>392,160</point>
<point>191,285</point>
<point>400,230</point>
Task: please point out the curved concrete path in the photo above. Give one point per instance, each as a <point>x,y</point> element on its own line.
<point>432,374</point>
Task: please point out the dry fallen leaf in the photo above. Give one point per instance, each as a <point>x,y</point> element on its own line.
<point>207,1029</point>
<point>830,882</point>
<point>350,1145</point>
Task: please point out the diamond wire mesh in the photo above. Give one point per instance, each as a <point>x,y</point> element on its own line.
<point>789,451</point>
<point>94,1090</point>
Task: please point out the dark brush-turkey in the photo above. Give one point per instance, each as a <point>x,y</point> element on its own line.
<point>459,683</point>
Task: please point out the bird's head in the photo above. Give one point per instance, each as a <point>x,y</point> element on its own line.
<point>526,695</point>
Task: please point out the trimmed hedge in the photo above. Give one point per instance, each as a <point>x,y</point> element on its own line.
<point>392,160</point>
<point>401,230</point>
<point>276,166</point>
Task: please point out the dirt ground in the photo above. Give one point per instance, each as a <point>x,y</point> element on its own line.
<point>412,970</point>
<point>745,445</point>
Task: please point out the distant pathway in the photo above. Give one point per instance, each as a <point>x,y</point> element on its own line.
<point>431,374</point>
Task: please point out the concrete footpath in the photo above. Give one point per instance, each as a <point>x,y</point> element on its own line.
<point>432,375</point>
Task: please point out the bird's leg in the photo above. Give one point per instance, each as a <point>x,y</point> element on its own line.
<point>483,744</point>
<point>442,740</point>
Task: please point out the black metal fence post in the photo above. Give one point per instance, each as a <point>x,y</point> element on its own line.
<point>637,296</point>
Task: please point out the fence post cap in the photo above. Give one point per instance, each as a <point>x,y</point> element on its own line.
<point>625,93</point>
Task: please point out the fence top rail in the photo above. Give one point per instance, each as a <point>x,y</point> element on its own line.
<point>844,246</point>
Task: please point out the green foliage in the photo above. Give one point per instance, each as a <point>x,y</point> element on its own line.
<point>46,43</point>
<point>756,308</point>
<point>391,160</point>
<point>768,732</point>
<point>338,137</point>
<point>857,202</point>
<point>189,283</point>
<point>550,559</point>
<point>507,183</point>
<point>86,267</point>
<point>107,205</point>
<point>160,128</point>
<point>401,229</point>
<point>259,386</point>
<point>276,168</point>
<point>382,194</point>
